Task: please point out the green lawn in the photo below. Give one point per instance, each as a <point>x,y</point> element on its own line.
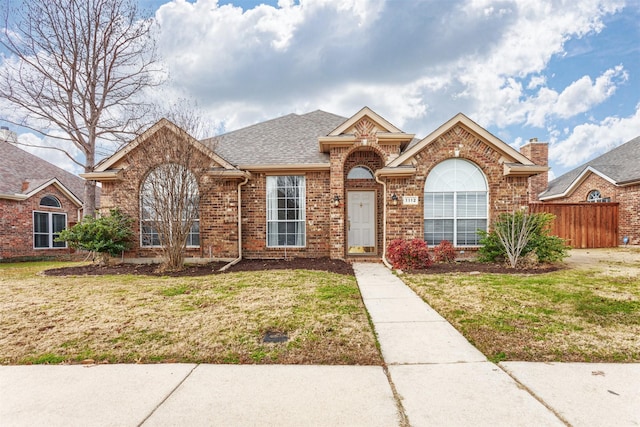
<point>214,319</point>
<point>590,315</point>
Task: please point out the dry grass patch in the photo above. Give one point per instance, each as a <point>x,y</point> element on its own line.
<point>589,315</point>
<point>206,319</point>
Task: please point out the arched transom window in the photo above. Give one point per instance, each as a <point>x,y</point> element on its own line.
<point>455,203</point>
<point>50,201</point>
<point>169,200</point>
<point>360,172</point>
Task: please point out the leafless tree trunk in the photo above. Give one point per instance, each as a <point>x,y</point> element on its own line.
<point>514,233</point>
<point>77,66</point>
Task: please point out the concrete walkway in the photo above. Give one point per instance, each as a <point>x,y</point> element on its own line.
<point>433,376</point>
<point>442,380</point>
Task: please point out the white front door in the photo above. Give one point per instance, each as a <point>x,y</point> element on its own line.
<point>361,225</point>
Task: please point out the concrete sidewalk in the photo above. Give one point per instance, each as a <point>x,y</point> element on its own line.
<point>433,377</point>
<point>441,379</point>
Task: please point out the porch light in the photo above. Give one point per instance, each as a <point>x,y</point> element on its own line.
<point>336,200</point>
<point>394,199</point>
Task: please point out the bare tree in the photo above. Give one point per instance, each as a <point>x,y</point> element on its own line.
<point>77,66</point>
<point>514,231</point>
<point>174,163</point>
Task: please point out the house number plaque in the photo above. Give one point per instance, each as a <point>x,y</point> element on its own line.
<point>409,200</point>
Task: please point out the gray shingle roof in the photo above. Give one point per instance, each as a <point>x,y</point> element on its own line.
<point>287,140</point>
<point>619,164</point>
<point>18,166</point>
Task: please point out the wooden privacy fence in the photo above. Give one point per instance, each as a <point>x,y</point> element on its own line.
<point>583,225</point>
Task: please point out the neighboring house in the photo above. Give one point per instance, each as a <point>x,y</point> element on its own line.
<point>321,185</point>
<point>611,177</point>
<point>37,201</point>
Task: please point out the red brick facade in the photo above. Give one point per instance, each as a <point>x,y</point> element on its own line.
<point>16,223</point>
<point>364,141</point>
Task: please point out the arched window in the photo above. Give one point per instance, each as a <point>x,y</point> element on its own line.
<point>50,201</point>
<point>455,203</point>
<point>169,198</point>
<point>594,196</point>
<point>360,172</point>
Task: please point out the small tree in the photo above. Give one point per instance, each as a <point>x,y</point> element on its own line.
<point>105,235</point>
<point>170,195</point>
<point>515,235</point>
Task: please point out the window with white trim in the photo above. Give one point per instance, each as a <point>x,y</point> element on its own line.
<point>159,203</point>
<point>455,203</point>
<point>46,228</point>
<point>286,220</point>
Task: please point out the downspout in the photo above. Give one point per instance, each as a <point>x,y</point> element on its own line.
<point>237,260</point>
<point>384,223</point>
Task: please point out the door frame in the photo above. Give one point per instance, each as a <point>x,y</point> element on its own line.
<point>374,212</point>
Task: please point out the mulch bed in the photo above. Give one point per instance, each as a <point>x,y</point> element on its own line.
<point>322,264</point>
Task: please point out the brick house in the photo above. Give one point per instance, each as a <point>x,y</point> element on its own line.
<point>321,185</point>
<point>611,177</point>
<point>37,200</point>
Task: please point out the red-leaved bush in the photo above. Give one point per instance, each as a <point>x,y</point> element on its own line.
<point>444,252</point>
<point>409,255</point>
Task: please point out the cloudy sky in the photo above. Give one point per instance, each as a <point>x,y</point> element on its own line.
<point>521,68</point>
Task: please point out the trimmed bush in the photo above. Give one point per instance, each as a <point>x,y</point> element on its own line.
<point>444,252</point>
<point>409,255</point>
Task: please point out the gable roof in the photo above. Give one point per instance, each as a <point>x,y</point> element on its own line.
<point>107,163</point>
<point>618,166</point>
<point>285,141</point>
<point>23,174</point>
<point>511,153</point>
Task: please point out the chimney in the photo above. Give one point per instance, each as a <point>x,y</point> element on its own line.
<point>7,136</point>
<point>25,186</point>
<point>538,153</point>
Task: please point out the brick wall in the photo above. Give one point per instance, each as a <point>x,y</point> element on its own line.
<point>16,224</point>
<point>218,202</point>
<point>505,193</point>
<point>254,218</point>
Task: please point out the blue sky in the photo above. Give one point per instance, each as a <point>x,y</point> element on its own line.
<point>521,68</point>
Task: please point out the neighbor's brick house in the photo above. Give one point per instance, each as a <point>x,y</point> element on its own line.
<point>611,177</point>
<point>317,185</point>
<point>37,200</point>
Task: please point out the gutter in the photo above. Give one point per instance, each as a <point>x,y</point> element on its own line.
<point>237,260</point>
<point>384,224</point>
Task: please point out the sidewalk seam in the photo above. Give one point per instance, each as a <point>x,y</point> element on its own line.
<point>173,390</point>
<point>535,396</point>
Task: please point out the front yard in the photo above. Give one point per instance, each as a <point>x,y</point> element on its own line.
<point>588,313</point>
<point>220,318</point>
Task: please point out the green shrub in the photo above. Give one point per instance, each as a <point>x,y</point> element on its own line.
<point>517,235</point>
<point>110,234</point>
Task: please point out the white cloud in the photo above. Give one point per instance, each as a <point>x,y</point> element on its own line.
<point>592,139</point>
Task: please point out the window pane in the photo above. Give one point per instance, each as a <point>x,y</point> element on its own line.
<point>40,222</point>
<point>285,210</point>
<point>437,230</point>
<point>360,172</point>
<point>59,222</point>
<point>41,240</point>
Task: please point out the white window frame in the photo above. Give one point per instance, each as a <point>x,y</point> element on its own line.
<point>51,235</point>
<point>274,212</point>
<point>451,213</point>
